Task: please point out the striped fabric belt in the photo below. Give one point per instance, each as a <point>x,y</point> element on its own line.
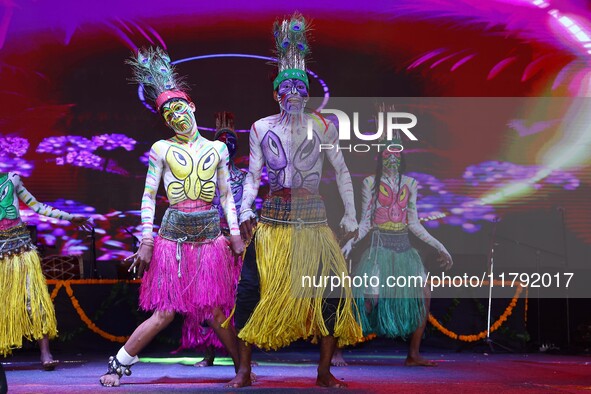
<point>295,210</point>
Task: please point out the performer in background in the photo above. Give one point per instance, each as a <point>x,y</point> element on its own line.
<point>292,239</point>
<point>389,212</point>
<point>27,310</point>
<point>187,266</point>
<point>195,334</point>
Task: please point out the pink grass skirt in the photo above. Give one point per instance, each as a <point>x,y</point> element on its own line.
<point>203,280</point>
<point>195,334</point>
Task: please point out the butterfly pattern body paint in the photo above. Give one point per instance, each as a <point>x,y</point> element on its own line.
<point>237,178</point>
<point>280,143</point>
<point>394,209</point>
<point>190,170</point>
<point>391,209</point>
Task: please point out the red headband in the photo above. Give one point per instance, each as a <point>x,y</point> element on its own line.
<point>170,94</point>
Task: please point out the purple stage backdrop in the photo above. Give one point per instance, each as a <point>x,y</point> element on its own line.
<point>77,130</point>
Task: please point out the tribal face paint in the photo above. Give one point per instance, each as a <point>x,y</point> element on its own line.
<point>230,140</point>
<point>179,116</point>
<point>292,95</point>
<point>391,160</point>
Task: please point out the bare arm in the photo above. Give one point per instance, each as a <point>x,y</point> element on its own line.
<point>143,256</point>
<point>155,168</point>
<point>46,210</point>
<point>42,209</point>
<point>345,186</point>
<point>252,182</point>
<point>225,191</point>
<point>415,226</point>
<point>366,207</point>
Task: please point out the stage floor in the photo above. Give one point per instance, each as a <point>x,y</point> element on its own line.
<point>291,372</point>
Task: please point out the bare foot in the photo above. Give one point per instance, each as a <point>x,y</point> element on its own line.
<point>49,365</point>
<point>418,361</point>
<point>110,380</point>
<point>206,362</point>
<point>47,362</point>
<point>328,380</point>
<point>242,379</point>
<point>337,359</point>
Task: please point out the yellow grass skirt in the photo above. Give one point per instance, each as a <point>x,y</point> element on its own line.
<point>288,311</point>
<point>27,310</point>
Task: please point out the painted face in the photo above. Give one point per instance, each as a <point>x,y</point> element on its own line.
<point>292,95</point>
<point>179,116</point>
<point>7,208</point>
<point>391,159</point>
<point>230,140</point>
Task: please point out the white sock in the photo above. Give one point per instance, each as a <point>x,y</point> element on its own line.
<point>124,357</point>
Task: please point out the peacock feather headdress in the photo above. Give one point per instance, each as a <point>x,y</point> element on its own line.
<point>291,49</point>
<point>153,71</point>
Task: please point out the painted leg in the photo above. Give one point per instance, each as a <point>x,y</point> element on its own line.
<point>142,335</point>
<point>414,358</point>
<point>328,346</point>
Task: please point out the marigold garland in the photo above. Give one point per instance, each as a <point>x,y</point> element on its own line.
<point>121,339</point>
<point>83,316</point>
<point>481,335</point>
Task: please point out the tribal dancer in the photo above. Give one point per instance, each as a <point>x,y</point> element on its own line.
<point>27,310</point>
<point>188,261</point>
<point>292,239</point>
<point>194,333</point>
<point>389,202</point>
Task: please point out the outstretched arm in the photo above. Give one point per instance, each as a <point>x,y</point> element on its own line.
<point>349,221</point>
<point>42,209</point>
<point>415,226</point>
<point>46,210</point>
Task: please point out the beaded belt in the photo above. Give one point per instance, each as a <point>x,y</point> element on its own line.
<point>189,227</point>
<point>297,210</point>
<point>200,226</point>
<point>394,240</point>
<point>15,240</point>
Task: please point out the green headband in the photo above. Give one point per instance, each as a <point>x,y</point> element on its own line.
<point>292,73</point>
